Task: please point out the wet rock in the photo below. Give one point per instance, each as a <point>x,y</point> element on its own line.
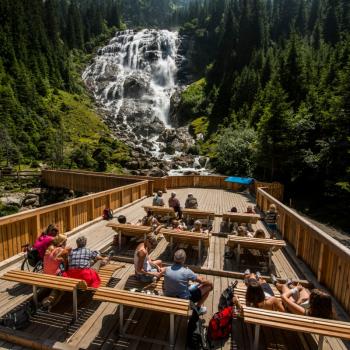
<point>156,172</point>
<point>132,165</point>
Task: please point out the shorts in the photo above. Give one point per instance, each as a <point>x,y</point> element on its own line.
<point>146,278</point>
<point>195,295</point>
<point>272,227</point>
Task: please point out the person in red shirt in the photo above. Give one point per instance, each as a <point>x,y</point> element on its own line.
<point>45,239</point>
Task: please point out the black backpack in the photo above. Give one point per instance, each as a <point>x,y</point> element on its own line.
<point>19,318</point>
<point>226,296</point>
<point>33,257</point>
<point>196,338</point>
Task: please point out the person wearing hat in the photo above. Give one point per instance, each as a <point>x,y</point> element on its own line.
<point>191,202</point>
<point>176,282</point>
<point>158,200</point>
<point>197,227</point>
<point>146,268</point>
<point>175,203</point>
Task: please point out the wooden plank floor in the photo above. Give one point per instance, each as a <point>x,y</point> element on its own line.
<point>97,327</point>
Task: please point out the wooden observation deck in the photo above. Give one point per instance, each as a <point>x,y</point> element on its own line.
<point>311,256</point>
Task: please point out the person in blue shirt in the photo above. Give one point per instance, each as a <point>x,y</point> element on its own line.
<point>176,282</point>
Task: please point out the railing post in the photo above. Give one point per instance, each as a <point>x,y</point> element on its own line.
<point>69,218</point>
<point>320,264</point>
<point>38,226</point>
<point>297,233</point>
<point>91,205</point>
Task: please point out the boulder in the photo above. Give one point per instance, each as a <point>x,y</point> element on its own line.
<point>156,172</point>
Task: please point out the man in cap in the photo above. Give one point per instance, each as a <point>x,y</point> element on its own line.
<point>158,200</point>
<point>176,282</point>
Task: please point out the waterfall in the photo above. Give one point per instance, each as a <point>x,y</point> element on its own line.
<point>134,76</point>
<point>134,80</point>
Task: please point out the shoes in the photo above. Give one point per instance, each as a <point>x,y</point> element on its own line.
<point>247,272</point>
<point>258,274</point>
<point>202,310</point>
<point>273,279</point>
<point>289,282</point>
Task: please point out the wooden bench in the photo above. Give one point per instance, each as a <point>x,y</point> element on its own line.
<point>171,306</point>
<point>47,281</point>
<point>129,230</point>
<point>241,217</point>
<point>296,323</point>
<point>198,214</point>
<point>106,272</point>
<point>261,244</point>
<point>187,237</point>
<point>161,211</point>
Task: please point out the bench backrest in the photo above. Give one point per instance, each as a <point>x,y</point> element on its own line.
<point>200,214</point>
<point>159,210</point>
<point>241,217</point>
<point>297,323</point>
<point>143,301</point>
<point>186,236</point>
<point>128,229</point>
<point>257,243</point>
<point>44,280</point>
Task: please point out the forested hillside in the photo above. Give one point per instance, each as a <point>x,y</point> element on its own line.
<point>274,101</point>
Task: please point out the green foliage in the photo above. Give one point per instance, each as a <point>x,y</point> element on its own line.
<point>199,126</point>
<point>235,152</point>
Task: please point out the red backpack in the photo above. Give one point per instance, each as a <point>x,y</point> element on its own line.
<point>220,325</point>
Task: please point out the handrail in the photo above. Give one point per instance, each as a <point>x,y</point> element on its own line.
<point>328,259</point>
<point>22,228</point>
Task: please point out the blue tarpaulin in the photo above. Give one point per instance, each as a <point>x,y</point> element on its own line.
<point>240,180</point>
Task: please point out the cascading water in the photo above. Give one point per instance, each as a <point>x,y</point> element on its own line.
<point>133,79</point>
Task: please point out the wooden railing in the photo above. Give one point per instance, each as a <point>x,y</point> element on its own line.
<point>22,228</point>
<point>327,258</point>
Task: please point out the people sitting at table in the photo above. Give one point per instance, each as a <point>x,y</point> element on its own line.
<point>298,300</point>
<point>150,220</point>
<point>44,240</point>
<point>242,231</point>
<point>147,269</point>
<point>259,233</point>
<point>191,202</point>
<point>250,210</point>
<point>177,225</point>
<point>197,227</point>
<point>176,283</point>
<point>79,263</point>
<point>55,262</point>
<point>158,200</point>
<point>270,219</point>
<point>175,203</point>
<point>259,293</point>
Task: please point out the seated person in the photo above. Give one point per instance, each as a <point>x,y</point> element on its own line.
<point>158,200</point>
<point>122,220</point>
<point>176,282</point>
<point>270,219</point>
<point>259,293</point>
<point>44,240</point>
<point>79,264</point>
<point>55,261</point>
<point>149,219</point>
<point>145,268</point>
<point>175,203</point>
<point>56,256</point>
<point>191,202</point>
<point>233,210</point>
<point>298,300</point>
<point>259,233</point>
<point>176,225</point>
<point>197,227</point>
<point>242,231</point>
<point>250,210</point>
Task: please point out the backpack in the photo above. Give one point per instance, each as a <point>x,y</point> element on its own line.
<point>20,317</point>
<point>33,257</point>
<point>196,338</point>
<point>107,214</point>
<point>220,325</point>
